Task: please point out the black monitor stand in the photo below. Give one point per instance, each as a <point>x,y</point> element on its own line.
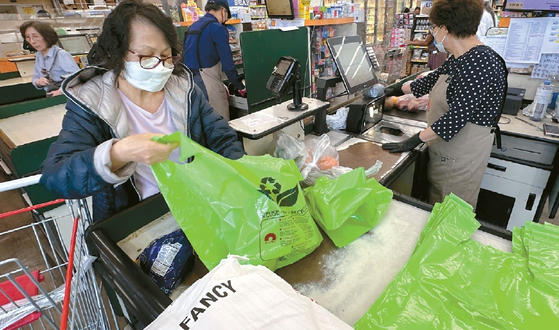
<point>297,104</point>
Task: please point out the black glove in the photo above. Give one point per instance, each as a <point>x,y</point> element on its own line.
<point>232,89</point>
<point>405,145</point>
<point>393,91</point>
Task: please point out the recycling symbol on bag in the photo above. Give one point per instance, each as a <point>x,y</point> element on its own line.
<point>271,188</point>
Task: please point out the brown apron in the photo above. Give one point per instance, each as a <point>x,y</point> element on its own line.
<point>456,166</point>
<point>217,93</point>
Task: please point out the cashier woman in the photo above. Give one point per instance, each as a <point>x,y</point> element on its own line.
<point>137,90</point>
<point>51,62</point>
<point>466,94</point>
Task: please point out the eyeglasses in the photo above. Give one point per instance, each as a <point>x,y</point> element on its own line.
<point>151,62</point>
<point>432,29</point>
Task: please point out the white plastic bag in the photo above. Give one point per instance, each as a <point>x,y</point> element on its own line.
<point>288,147</point>
<point>315,157</point>
<point>244,297</point>
<point>338,120</point>
<point>322,160</point>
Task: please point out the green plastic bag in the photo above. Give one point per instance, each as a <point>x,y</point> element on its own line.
<point>348,206</point>
<point>454,282</point>
<point>251,207</point>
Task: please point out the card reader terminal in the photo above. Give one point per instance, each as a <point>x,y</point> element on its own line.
<point>283,75</point>
<point>286,74</point>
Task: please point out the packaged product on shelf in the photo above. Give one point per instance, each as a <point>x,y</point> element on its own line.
<point>416,54</point>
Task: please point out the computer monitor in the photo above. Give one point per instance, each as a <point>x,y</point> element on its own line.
<point>75,44</point>
<point>353,62</point>
<point>280,9</point>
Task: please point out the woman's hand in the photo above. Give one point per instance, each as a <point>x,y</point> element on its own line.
<point>139,148</point>
<point>42,82</point>
<point>55,93</point>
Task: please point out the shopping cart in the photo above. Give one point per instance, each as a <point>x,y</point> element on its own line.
<point>61,290</point>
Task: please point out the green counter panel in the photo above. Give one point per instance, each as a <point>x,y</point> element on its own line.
<point>10,110</point>
<point>9,75</point>
<point>261,52</point>
<point>20,92</point>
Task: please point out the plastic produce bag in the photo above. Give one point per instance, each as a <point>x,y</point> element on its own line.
<point>253,206</point>
<point>316,157</point>
<point>348,206</point>
<point>454,282</point>
<point>407,102</point>
<point>167,260</point>
<point>322,160</point>
<point>288,147</point>
<point>244,297</point>
<point>322,155</point>
<point>338,120</point>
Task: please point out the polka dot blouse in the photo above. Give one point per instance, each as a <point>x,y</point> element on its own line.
<point>475,91</point>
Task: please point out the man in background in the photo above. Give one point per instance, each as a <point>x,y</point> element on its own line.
<point>207,53</point>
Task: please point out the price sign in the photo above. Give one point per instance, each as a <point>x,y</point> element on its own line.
<point>239,3</point>
<point>548,63</point>
<point>28,10</point>
<point>514,5</point>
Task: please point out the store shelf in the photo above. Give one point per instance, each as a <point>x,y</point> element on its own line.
<point>419,61</point>
<point>329,21</point>
<point>425,31</point>
<point>229,22</point>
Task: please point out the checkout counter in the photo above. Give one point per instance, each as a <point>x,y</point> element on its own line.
<point>345,281</point>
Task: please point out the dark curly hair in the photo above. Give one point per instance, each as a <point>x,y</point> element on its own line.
<point>112,44</point>
<point>44,29</point>
<point>460,17</point>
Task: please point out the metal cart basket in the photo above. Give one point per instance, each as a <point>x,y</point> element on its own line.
<point>60,291</point>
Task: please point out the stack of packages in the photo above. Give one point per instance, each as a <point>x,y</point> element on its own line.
<point>453,282</point>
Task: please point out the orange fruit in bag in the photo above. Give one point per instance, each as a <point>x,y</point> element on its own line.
<point>327,162</point>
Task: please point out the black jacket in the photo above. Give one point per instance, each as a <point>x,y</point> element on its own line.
<point>94,115</point>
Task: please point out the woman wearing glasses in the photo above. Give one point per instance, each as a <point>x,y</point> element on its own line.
<point>138,89</point>
<point>51,61</point>
<point>466,95</point>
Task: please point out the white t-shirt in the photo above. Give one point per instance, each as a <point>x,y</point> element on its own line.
<point>485,24</point>
<point>141,121</point>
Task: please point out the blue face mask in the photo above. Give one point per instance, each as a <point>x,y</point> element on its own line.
<point>439,45</point>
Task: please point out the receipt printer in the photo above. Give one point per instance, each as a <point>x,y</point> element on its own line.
<point>513,100</point>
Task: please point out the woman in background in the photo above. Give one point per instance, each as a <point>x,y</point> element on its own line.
<point>137,90</point>
<point>436,58</point>
<point>51,62</point>
<point>488,19</point>
<point>466,95</point>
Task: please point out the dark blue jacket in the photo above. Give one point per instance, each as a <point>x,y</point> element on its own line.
<point>94,115</point>
<point>214,47</point>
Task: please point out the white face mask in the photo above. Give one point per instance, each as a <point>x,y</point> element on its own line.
<point>440,46</point>
<point>152,80</point>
